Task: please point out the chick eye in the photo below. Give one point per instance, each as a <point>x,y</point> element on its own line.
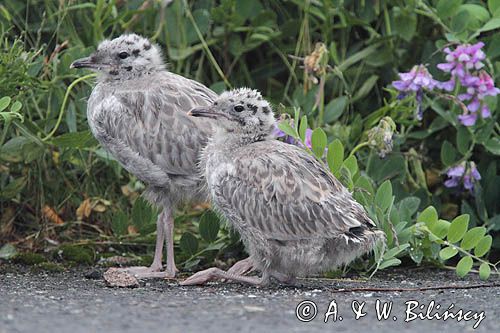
<point>238,108</point>
<point>123,55</point>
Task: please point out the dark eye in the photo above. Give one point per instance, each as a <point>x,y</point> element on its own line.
<point>238,108</point>
<point>123,55</point>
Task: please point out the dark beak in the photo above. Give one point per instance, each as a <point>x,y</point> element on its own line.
<point>204,111</point>
<point>83,63</point>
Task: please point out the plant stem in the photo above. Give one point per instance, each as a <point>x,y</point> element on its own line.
<point>63,105</point>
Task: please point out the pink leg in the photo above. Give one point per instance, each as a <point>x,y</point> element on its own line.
<point>164,232</point>
<point>213,274</point>
<point>169,242</point>
<point>242,267</point>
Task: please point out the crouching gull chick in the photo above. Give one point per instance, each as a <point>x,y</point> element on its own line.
<point>138,112</point>
<point>294,217</point>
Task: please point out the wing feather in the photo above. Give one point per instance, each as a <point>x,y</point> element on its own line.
<point>287,194</point>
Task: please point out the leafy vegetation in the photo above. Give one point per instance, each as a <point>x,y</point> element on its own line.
<point>326,65</point>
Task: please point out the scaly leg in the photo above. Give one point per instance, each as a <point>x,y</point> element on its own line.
<point>242,267</point>
<point>169,242</point>
<point>162,235</point>
<point>214,273</point>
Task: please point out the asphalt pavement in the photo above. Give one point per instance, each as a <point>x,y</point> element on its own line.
<point>415,300</point>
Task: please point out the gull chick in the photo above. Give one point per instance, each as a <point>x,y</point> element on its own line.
<point>138,112</point>
<point>294,217</point>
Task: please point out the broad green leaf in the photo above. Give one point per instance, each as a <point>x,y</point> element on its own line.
<point>440,228</point>
<point>289,130</point>
<point>143,216</point>
<point>366,52</point>
<point>351,163</point>
<point>464,266</point>
<point>463,139</point>
<point>405,24</point>
<point>493,145</point>
<point>472,238</point>
<point>209,226</point>
<point>483,246</point>
<point>447,252</point>
<point>407,207</point>
<point>448,153</point>
<point>16,106</point>
<point>478,12</point>
<point>460,21</point>
<point>318,142</point>
<point>484,271</point>
<point>458,228</point>
<point>493,6</point>
<point>389,263</point>
<point>428,216</point>
<point>13,188</point>
<point>4,102</point>
<point>334,109</point>
<point>447,8</point>
<point>492,24</point>
<point>335,156</point>
<point>189,243</point>
<point>383,197</point>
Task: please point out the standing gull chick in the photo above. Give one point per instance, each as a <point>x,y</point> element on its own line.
<point>137,111</point>
<point>293,216</point>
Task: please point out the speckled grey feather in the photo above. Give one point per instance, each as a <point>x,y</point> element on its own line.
<point>294,216</point>
<point>137,111</point>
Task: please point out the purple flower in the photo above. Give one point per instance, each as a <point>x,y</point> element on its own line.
<point>308,140</point>
<point>466,173</point>
<point>415,80</point>
<point>464,58</point>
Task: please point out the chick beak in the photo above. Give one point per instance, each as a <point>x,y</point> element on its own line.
<point>203,112</point>
<point>83,63</point>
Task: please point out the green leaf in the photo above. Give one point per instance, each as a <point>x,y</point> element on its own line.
<point>189,243</point>
<point>428,216</point>
<point>447,8</point>
<point>460,21</point>
<point>493,145</point>
<point>492,24</point>
<point>464,266</point>
<point>478,12</point>
<point>483,246</point>
<point>79,140</point>
<point>389,263</point>
<point>351,163</point>
<point>289,130</point>
<point>447,252</point>
<point>366,88</point>
<point>335,156</point>
<point>463,139</point>
<point>13,188</point>
<point>493,6</point>
<point>209,226</point>
<point>7,251</point>
<point>448,153</point>
<point>4,102</point>
<point>484,271</point>
<point>407,207</point>
<point>16,106</point>
<point>318,142</point>
<point>383,198</point>
<point>458,228</point>
<point>472,238</point>
<point>405,24</point>
<point>395,251</point>
<point>334,109</point>
<point>303,128</point>
<point>440,228</point>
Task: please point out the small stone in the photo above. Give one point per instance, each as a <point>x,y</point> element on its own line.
<point>93,275</point>
<point>117,278</point>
